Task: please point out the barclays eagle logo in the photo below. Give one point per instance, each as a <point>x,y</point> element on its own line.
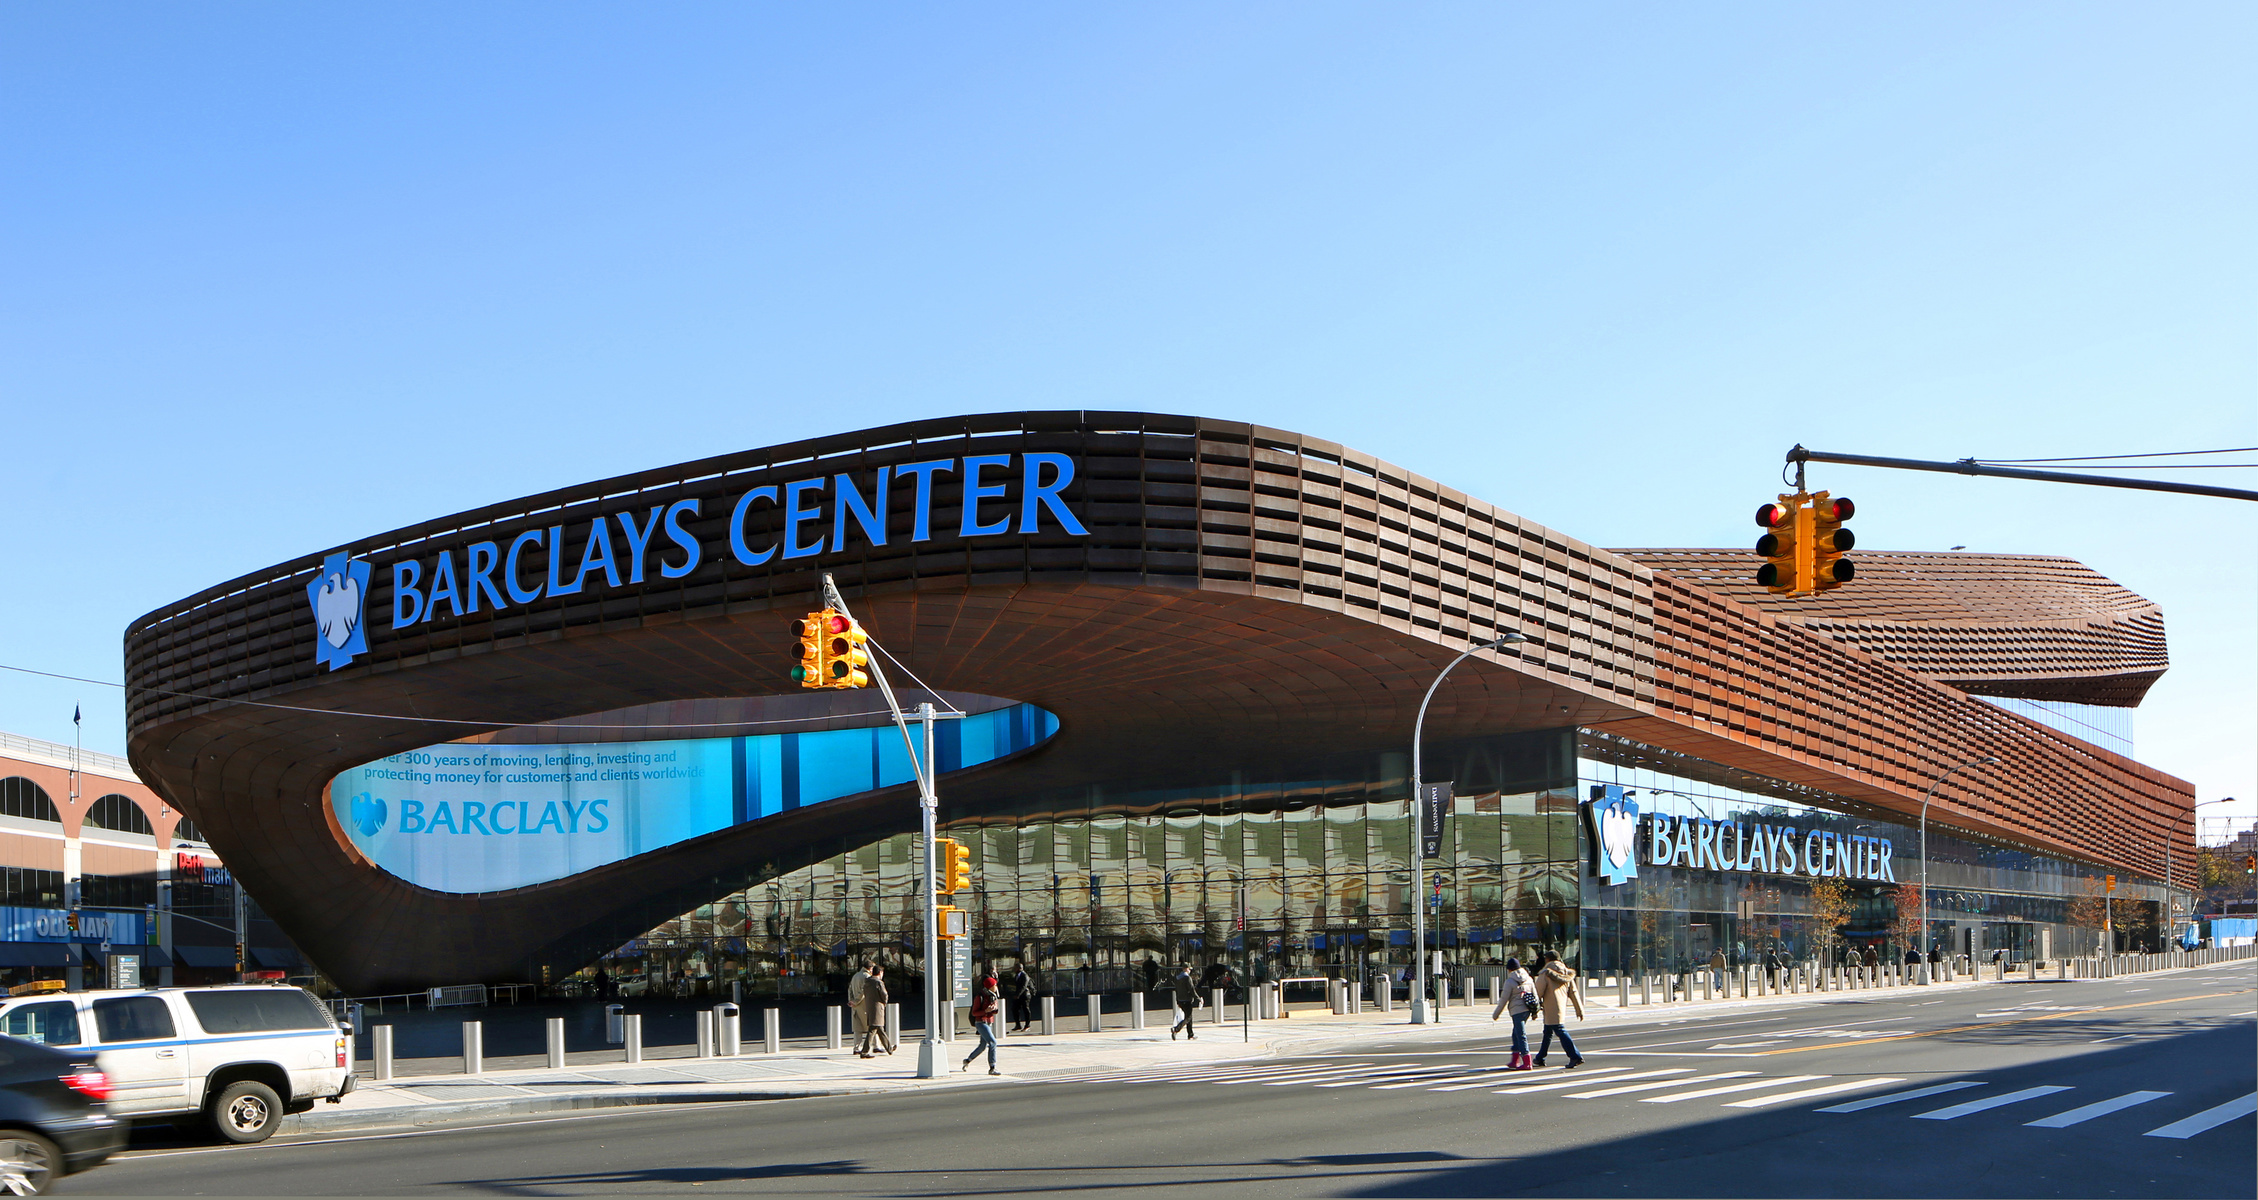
<point>337,596</point>
<point>368,814</point>
<point>1615,826</point>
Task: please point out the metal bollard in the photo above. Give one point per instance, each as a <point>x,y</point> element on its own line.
<point>383,1052</point>
<point>1136,1009</point>
<point>1622,991</point>
<point>893,1035</point>
<point>1333,990</point>
<point>832,1039</point>
<point>474,1048</point>
<point>556,1043</point>
<point>772,1030</point>
<point>1050,1016</point>
<point>1097,1012</point>
<point>633,1033</point>
<point>704,1019</point>
<point>1215,1013</point>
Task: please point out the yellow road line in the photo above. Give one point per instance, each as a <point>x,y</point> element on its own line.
<point>1899,1037</point>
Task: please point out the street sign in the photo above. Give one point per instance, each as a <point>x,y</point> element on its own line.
<point>1434,807</point>
<point>960,973</point>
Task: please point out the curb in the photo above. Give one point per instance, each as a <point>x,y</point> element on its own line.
<point>420,1115</point>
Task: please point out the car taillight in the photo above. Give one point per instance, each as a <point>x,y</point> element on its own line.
<point>341,1052</point>
<point>93,1085</point>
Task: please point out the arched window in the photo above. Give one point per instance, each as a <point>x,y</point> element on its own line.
<point>20,797</point>
<point>186,831</point>
<point>118,814</point>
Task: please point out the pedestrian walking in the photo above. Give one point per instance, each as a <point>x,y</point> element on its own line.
<point>984,1023</point>
<point>1019,992</point>
<point>1187,1001</point>
<point>875,1035</point>
<point>1556,981</point>
<point>857,984</point>
<point>1517,997</point>
<point>1717,969</point>
<point>1772,968</point>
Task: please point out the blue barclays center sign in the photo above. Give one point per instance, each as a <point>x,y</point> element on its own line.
<point>485,817</point>
<point>1701,843</point>
<point>821,514</point>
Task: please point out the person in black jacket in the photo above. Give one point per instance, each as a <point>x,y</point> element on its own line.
<point>1187,1001</point>
<point>1019,996</point>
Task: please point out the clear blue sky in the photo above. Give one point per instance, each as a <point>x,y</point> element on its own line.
<point>278,276</point>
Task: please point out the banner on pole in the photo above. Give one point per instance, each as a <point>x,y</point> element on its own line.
<point>1434,807</point>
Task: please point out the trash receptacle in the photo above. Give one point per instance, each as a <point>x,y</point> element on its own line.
<point>615,1024</point>
<point>728,1035</point>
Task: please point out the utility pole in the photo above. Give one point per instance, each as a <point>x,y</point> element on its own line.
<point>929,1058</point>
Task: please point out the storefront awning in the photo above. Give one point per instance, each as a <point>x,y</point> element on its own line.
<point>33,954</point>
<point>275,958</point>
<point>204,956</point>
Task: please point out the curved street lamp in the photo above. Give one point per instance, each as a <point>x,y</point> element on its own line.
<point>1418,862</point>
<point>1985,761</point>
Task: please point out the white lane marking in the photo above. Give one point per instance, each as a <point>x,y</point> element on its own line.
<point>1988,1102</point>
<point>1643,1087</point>
<point>1894,1097</point>
<point>1808,1093</point>
<point>2099,1108</point>
<point>2207,1119</point>
<point>1491,1075</point>
<point>1312,1077</point>
<point>1546,1087</point>
<point>1730,1087</point>
<point>2118,1037</point>
<point>1528,1079</point>
<point>1396,1074</point>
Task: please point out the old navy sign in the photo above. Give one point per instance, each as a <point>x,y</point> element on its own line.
<point>1699,843</point>
<point>996,494</point>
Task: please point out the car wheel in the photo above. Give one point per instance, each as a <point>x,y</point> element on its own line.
<point>29,1163</point>
<point>245,1112</point>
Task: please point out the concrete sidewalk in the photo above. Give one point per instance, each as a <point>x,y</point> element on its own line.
<point>806,1070</point>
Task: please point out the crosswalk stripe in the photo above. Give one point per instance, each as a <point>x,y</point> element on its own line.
<point>2102,1108</point>
<point>1808,1093</point>
<point>1642,1087</point>
<point>1730,1087</point>
<point>1284,1072</point>
<point>1531,1078</point>
<point>1490,1075</point>
<point>1894,1097</point>
<point>1546,1087</point>
<point>1396,1074</point>
<point>1320,1075</point>
<point>1988,1102</point>
<point>2209,1118</point>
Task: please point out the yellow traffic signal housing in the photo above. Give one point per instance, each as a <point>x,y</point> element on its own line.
<point>845,654</point>
<point>948,922</point>
<point>807,657</point>
<point>955,866</point>
<point>1830,541</point>
<point>1781,546</point>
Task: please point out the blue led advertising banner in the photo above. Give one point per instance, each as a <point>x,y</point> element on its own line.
<point>463,817</point>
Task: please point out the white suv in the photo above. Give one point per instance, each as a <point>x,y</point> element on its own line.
<point>242,1056</point>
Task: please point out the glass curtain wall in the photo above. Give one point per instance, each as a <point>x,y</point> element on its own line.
<point>1104,887</point>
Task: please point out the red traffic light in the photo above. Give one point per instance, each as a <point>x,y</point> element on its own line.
<point>1772,516</point>
<point>1840,508</point>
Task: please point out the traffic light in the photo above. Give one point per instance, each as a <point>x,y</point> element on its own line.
<point>807,657</point>
<point>845,654</point>
<point>948,923</point>
<point>956,866</point>
<point>832,651</point>
<point>71,922</point>
<point>2112,882</point>
<point>1783,536</point>
<point>1830,541</point>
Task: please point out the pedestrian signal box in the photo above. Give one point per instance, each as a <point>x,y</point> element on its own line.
<point>948,922</point>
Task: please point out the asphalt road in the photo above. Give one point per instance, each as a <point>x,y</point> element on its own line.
<point>2138,1088</point>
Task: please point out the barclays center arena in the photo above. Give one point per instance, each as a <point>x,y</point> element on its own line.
<point>557,733</point>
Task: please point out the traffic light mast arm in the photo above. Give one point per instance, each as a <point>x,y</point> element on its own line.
<point>1969,466</point>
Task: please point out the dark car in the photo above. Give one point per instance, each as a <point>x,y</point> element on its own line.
<point>53,1117</point>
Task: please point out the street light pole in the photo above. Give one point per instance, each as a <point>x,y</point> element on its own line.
<point>1986,760</point>
<point>1418,862</point>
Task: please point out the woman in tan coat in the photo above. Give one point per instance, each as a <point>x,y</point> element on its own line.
<point>1556,982</point>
